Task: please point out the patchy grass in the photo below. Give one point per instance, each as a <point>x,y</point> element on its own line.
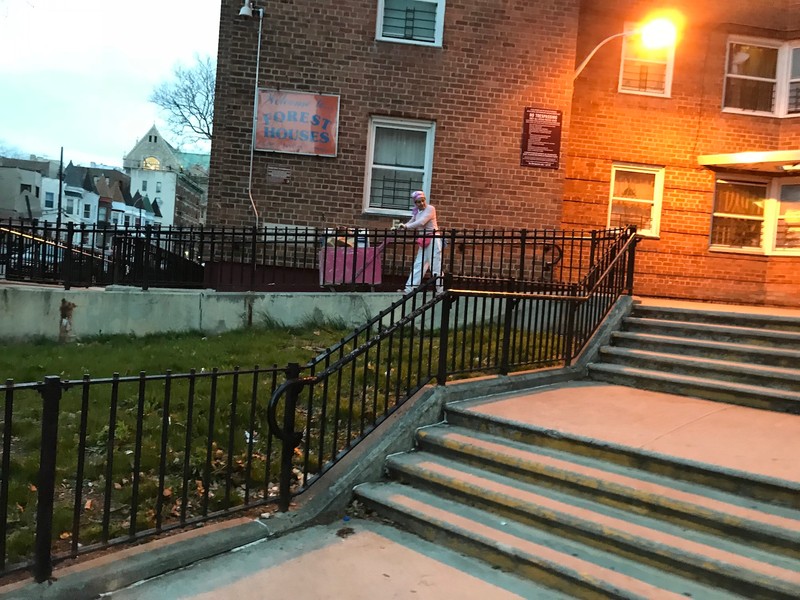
<point>186,427</point>
<point>128,355</point>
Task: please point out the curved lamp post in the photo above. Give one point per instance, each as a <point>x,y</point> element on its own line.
<point>247,11</point>
<point>655,34</point>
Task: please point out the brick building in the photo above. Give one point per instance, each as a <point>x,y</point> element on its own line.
<point>697,149</point>
<point>695,145</point>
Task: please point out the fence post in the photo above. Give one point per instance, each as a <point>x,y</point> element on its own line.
<point>444,335</point>
<point>570,333</point>
<point>253,261</point>
<point>287,445</point>
<point>453,233</point>
<point>523,240</point>
<point>51,396</point>
<point>631,260</point>
<point>68,258</point>
<point>508,317</point>
<point>146,257</point>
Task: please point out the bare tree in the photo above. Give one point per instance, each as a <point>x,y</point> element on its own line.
<point>188,99</point>
<point>8,150</point>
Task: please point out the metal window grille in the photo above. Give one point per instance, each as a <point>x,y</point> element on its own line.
<point>410,20</point>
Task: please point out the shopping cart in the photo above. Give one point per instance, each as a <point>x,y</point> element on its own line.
<point>349,260</point>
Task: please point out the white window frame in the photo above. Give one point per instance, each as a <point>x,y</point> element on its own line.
<point>438,29</point>
<point>629,43</point>
<point>388,122</point>
<point>658,195</point>
<point>782,76</point>
<point>49,199</point>
<point>769,233</point>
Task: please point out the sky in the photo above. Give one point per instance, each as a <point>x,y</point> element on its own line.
<point>78,73</point>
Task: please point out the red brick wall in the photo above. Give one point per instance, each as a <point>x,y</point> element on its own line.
<point>497,58</point>
<point>672,132</point>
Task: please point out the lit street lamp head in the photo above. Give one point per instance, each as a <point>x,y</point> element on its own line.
<point>655,33</point>
<point>658,33</point>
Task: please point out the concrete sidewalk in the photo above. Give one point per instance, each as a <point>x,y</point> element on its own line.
<point>356,560</point>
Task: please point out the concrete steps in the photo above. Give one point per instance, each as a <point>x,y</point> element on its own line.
<point>564,515</point>
<point>745,359</point>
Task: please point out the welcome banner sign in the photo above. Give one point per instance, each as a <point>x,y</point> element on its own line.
<point>297,122</point>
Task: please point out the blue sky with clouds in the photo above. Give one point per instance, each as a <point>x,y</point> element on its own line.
<point>78,73</point>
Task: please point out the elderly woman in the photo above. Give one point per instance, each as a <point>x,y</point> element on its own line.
<point>429,254</point>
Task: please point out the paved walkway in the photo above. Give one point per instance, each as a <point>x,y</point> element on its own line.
<point>353,560</point>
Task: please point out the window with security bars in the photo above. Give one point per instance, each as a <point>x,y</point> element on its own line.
<point>643,70</point>
<point>411,21</point>
<point>762,77</point>
<point>738,218</point>
<point>636,193</point>
<point>399,161</point>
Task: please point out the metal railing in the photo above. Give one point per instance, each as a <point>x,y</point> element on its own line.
<point>290,258</point>
<point>91,463</point>
<point>350,389</point>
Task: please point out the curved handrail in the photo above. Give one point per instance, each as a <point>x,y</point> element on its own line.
<point>296,436</point>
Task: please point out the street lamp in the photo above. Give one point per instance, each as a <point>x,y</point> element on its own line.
<point>247,11</point>
<point>656,33</point>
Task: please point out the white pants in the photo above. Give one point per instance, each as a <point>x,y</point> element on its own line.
<point>427,258</point>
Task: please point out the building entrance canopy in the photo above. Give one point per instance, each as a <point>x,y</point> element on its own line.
<point>774,163</point>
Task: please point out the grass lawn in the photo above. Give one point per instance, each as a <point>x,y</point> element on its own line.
<point>162,446</point>
<point>128,355</point>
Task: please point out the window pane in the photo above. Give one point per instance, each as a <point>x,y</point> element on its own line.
<point>644,76</point>
<point>400,147</point>
<point>633,184</point>
<point>736,233</point>
<point>788,234</point>
<point>392,189</point>
<point>632,213</point>
<point>794,98</point>
<point>750,81</point>
<point>793,105</point>
<point>410,19</point>
<point>753,61</point>
<point>733,203</point>
<point>749,94</point>
<point>740,198</point>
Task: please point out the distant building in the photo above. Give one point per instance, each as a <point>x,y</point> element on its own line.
<point>173,183</point>
<point>28,188</point>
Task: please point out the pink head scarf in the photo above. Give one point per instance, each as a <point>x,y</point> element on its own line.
<point>415,196</point>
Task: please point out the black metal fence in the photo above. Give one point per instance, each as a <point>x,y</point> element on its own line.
<point>90,463</point>
<point>291,258</point>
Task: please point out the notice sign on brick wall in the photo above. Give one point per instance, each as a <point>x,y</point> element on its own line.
<point>297,122</point>
<point>541,138</point>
